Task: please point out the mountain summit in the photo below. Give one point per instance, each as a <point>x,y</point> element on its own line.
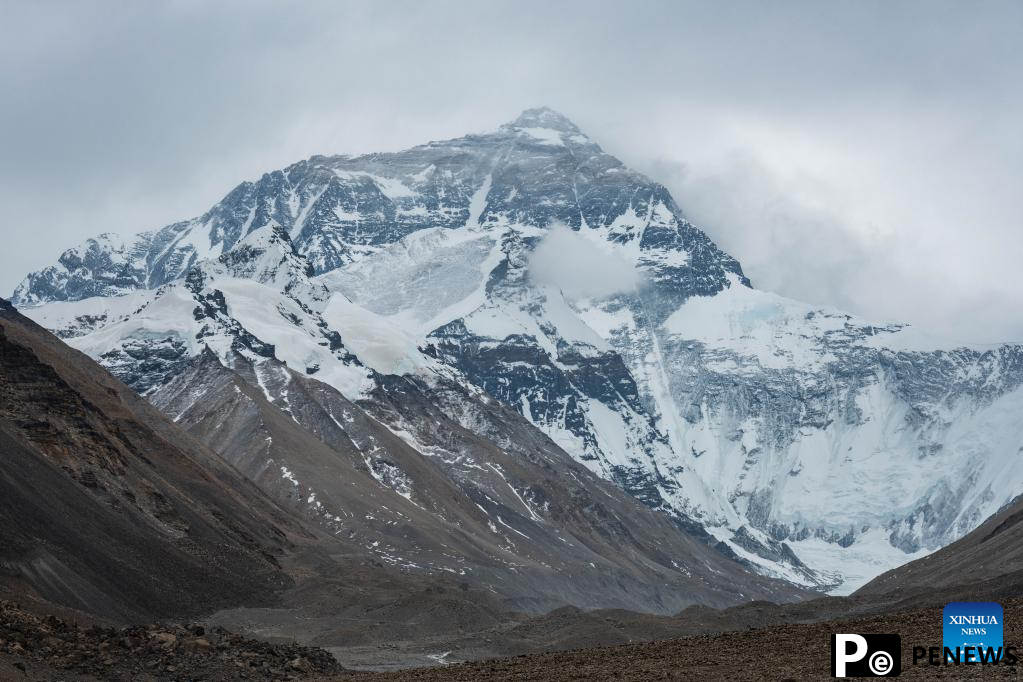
<point>544,117</point>
<point>803,442</point>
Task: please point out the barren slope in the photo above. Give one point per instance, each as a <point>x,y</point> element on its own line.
<point>108,507</point>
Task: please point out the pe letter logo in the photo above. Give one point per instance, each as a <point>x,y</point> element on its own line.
<point>976,624</point>
<point>866,655</point>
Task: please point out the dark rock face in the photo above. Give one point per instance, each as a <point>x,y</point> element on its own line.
<point>551,391</point>
<point>145,364</point>
<point>104,266</point>
<point>102,510</point>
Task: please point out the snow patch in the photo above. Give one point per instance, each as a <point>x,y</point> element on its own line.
<point>547,136</point>
<point>375,340</point>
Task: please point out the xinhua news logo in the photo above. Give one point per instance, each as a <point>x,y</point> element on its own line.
<point>866,655</point>
<point>975,629</point>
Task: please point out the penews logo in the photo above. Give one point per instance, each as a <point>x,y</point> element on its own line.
<point>972,631</point>
<point>866,655</point>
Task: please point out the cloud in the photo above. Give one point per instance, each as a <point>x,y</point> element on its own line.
<point>784,246</point>
<point>580,267</point>
<point>791,243</point>
<point>866,154</point>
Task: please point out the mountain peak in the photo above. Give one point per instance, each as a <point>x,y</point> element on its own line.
<point>544,117</point>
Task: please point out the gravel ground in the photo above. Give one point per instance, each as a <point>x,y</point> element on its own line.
<point>50,648</point>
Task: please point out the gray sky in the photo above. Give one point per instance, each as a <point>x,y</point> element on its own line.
<point>867,155</point>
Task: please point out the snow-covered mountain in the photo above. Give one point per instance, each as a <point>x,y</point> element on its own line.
<point>528,264</point>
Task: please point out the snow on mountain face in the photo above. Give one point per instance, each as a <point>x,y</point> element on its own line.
<point>256,300</point>
<point>814,446</point>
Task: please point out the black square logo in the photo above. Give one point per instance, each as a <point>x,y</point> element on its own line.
<point>866,655</point>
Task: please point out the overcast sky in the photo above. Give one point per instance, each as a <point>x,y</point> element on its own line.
<point>867,155</point>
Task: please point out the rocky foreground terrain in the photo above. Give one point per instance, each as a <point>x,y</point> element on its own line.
<point>52,648</point>
<point>49,648</point>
